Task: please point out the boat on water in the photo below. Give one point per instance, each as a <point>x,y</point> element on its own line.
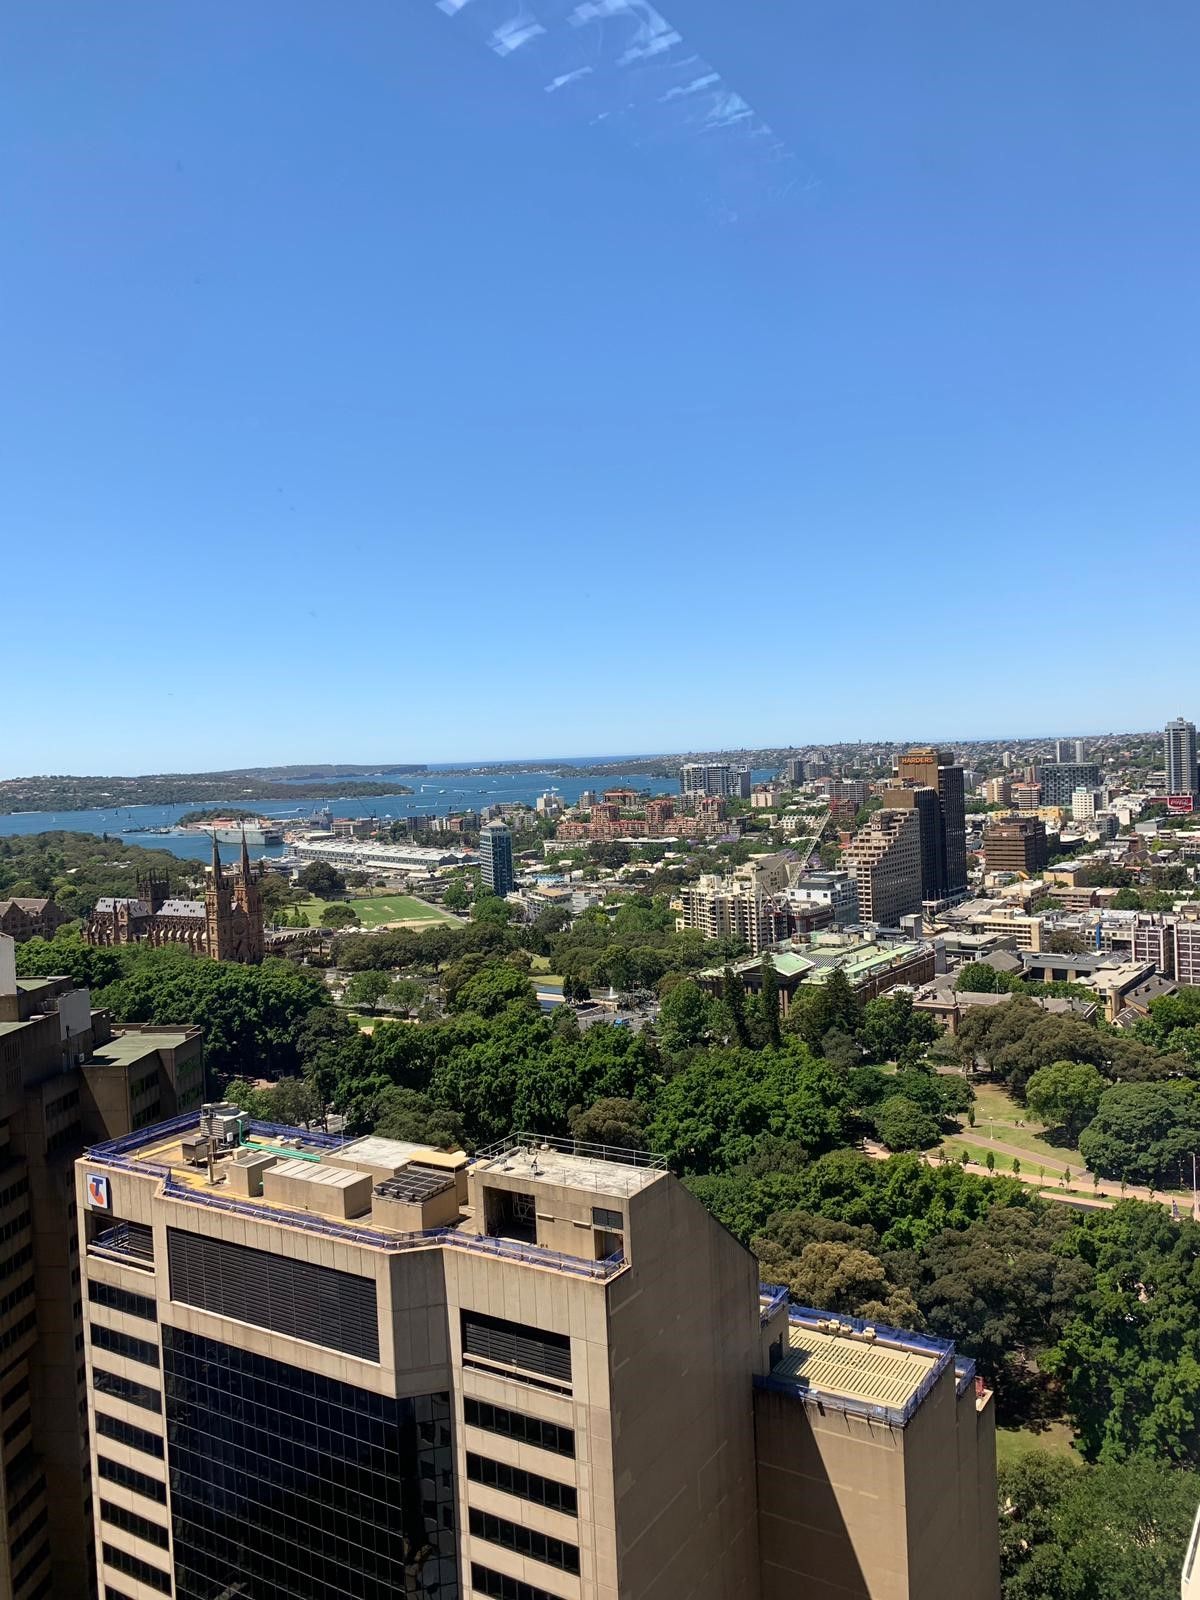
<point>256,833</point>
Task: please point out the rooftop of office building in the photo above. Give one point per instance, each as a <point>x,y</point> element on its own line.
<point>552,1202</point>
<point>852,1365</point>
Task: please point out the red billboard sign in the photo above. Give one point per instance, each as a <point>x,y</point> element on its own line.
<point>1181,803</point>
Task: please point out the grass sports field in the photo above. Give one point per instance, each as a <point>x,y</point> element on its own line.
<point>378,909</point>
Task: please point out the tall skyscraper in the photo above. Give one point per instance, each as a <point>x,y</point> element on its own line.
<point>885,858</point>
<point>66,1078</point>
<point>323,1369</point>
<point>496,858</point>
<point>1080,750</point>
<point>1062,750</point>
<point>930,768</point>
<point>1179,755</point>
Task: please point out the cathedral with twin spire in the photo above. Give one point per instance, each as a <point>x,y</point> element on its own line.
<point>227,924</point>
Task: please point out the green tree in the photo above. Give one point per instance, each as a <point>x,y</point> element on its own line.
<point>976,977</point>
<point>496,986</point>
<point>1066,1095</point>
<point>338,916</point>
<point>321,880</point>
<point>903,1125</point>
<point>615,1122</point>
<point>684,1018</point>
<point>492,910</point>
<point>1093,1533</point>
<point>734,997</point>
<point>367,989</point>
<point>457,896</point>
<point>293,1101</point>
<point>1144,1132</point>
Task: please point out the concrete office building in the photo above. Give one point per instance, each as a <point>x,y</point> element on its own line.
<point>1179,757</point>
<point>794,772</point>
<point>496,859</point>
<point>567,1385</point>
<point>65,1078</point>
<point>837,890</point>
<point>926,767</point>
<point>1059,781</point>
<point>885,858</point>
<point>1016,844</point>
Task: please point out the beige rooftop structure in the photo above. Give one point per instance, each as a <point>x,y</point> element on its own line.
<point>562,1381</point>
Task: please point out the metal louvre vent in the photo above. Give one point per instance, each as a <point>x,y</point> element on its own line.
<point>317,1304</point>
<point>513,1344</point>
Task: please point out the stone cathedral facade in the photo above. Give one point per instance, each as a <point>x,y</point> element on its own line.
<point>227,924</point>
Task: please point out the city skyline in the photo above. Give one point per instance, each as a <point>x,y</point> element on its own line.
<point>435,763</point>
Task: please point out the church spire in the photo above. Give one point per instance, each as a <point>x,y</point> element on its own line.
<point>245,857</point>
<point>216,862</point>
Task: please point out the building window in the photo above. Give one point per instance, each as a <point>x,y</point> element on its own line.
<point>524,1485</point>
<point>516,1425</point>
<point>128,1478</point>
<point>513,1344</point>
<point>132,1567</point>
<point>499,1586</point>
<point>122,1344</point>
<point>118,1299</point>
<point>603,1218</point>
<point>295,1483</point>
<point>130,1522</point>
<point>524,1541</point>
<point>125,1433</point>
<point>136,1394</point>
<point>317,1304</point>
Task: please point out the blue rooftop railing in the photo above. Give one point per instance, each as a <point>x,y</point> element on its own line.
<point>771,1297</point>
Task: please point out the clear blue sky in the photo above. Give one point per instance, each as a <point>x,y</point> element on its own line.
<point>788,372</point>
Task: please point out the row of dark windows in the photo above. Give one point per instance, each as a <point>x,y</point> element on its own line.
<point>43,1588</point>
<point>129,1478</point>
<point>17,1426</point>
<point>524,1541</point>
<point>360,1503</point>
<point>64,1102</point>
<point>499,1586</point>
<point>516,1425</point>
<point>11,1191</point>
<point>525,1485</point>
<point>72,1134</point>
<point>18,1330</point>
<point>118,1299</point>
<point>17,1224</point>
<point>317,1304</point>
<point>19,1507</point>
<point>133,1567</point>
<point>18,1389</point>
<point>124,1344</point>
<point>16,1261</point>
<point>130,1522</point>
<point>15,1296</point>
<point>18,1469</point>
<point>39,1557</point>
<point>26,1537</point>
<point>603,1218</point>
<point>149,1444</point>
<point>514,1344</point>
<point>137,1394</point>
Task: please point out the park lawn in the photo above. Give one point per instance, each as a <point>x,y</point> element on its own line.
<point>1015,1444</point>
<point>997,1114</point>
<point>374,910</point>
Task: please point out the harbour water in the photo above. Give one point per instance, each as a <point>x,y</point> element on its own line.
<point>435,793</point>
